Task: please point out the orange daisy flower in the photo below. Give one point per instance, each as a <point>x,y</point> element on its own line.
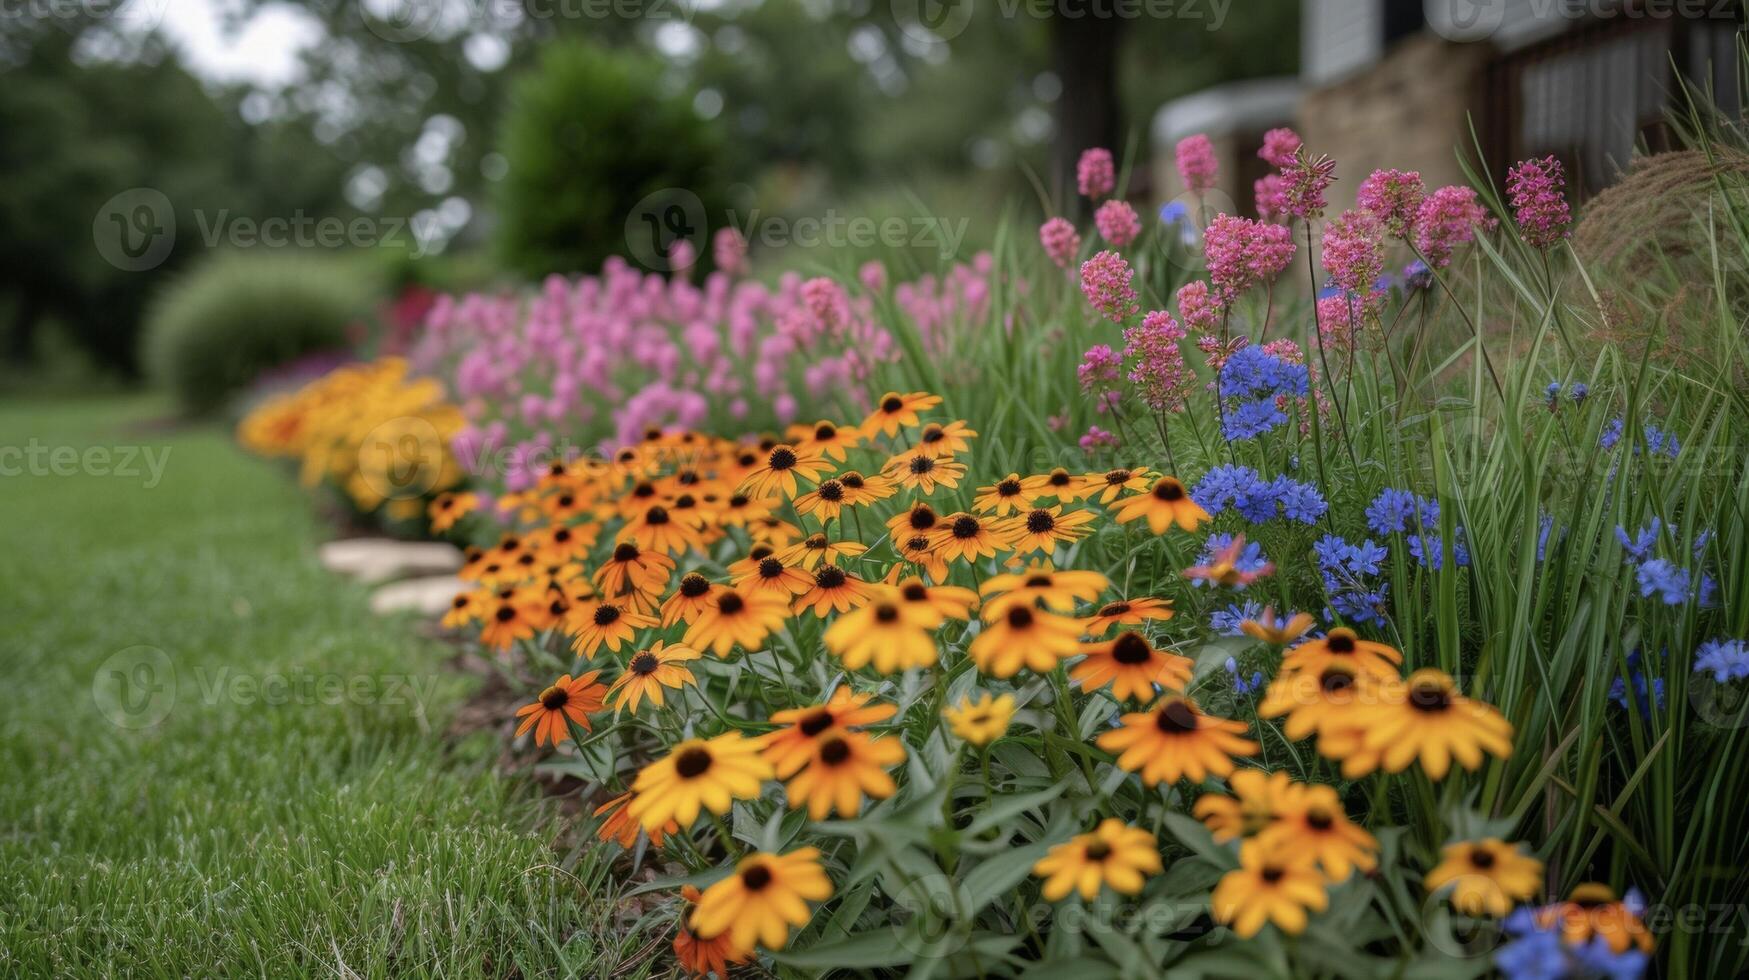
<point>568,701</point>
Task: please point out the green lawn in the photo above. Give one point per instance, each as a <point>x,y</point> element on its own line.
<point>334,831</point>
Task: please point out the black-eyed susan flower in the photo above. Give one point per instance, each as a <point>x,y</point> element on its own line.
<point>465,608</point>
<point>1277,631</point>
<point>1251,806</point>
<point>774,532</point>
<point>829,439</point>
<point>1322,703</point>
<point>1486,877</point>
<point>1311,818</point>
<point>763,899</point>
<point>737,617</point>
<point>1109,485</point>
<point>859,489</point>
<point>981,718</point>
<point>568,701</point>
<point>564,543</point>
<point>771,576</point>
<point>509,616</point>
<point>919,550</point>
<point>937,603</point>
<point>1593,912</point>
<point>1112,854</point>
<point>919,518</point>
<point>832,590</point>
<point>1057,588</point>
<point>917,470</point>
<point>648,672</point>
<point>883,632</point>
<point>1023,636</point>
<point>895,411</point>
<point>630,568</point>
<point>447,508</point>
<point>968,537</point>
<point>595,622</point>
<point>782,467</point>
<point>817,549</point>
<point>739,510</point>
<point>1166,503</point>
<point>1341,645</point>
<point>1276,885</point>
<point>688,600</point>
<point>1042,529</point>
<point>619,826</point>
<point>1230,566</point>
<point>698,774</point>
<point>1127,612</point>
<point>1423,717</point>
<point>657,529</point>
<point>1059,485</point>
<point>844,767</point>
<point>825,502</point>
<point>791,746</point>
<point>1132,666</point>
<point>1175,740</point>
<point>945,440</point>
<point>704,957</point>
<point>1002,498</point>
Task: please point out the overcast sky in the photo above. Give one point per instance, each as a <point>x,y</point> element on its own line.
<point>265,51</point>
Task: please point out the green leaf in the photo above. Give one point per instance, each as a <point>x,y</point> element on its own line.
<point>991,878</point>
<point>1192,834</point>
<point>1004,808</point>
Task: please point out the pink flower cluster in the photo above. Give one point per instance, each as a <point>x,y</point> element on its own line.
<point>1539,202</point>
<point>1117,222</point>
<point>1197,165</point>
<point>1105,281</point>
<point>1395,196</point>
<point>944,308</point>
<point>1095,174</point>
<point>1060,240</point>
<point>1279,147</point>
<point>1158,370</point>
<point>602,358</point>
<point>1354,251</point>
<point>1242,253</point>
<point>1304,181</point>
<point>1447,220</point>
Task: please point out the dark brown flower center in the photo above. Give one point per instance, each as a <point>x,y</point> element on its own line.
<point>1008,488</point>
<point>832,490</point>
<point>1131,649</point>
<point>1335,681</point>
<point>562,535</point>
<point>815,722</point>
<point>817,542</point>
<point>886,612</point>
<point>770,568</point>
<point>966,527</point>
<point>760,552</point>
<point>892,404</point>
<point>922,518</point>
<point>694,585</point>
<point>1041,581</point>
<point>852,480</point>
<point>1430,698</point>
<point>1481,858</point>
<point>1098,851</point>
<point>829,577</point>
<point>656,515</point>
<point>825,431</point>
<point>1169,490</point>
<point>914,592</point>
<point>932,433</point>
<point>692,763</point>
<point>1176,719</point>
<point>782,459</point>
<point>566,501</point>
<point>917,544</point>
<point>921,465</point>
<point>756,878</point>
<point>606,615</point>
<point>1059,478</point>
<point>1114,609</point>
<point>834,751</point>
<point>459,602</point>
<point>644,489</point>
<point>738,500</point>
<point>729,604</point>
<point>1272,874</point>
<point>626,552</point>
<point>1040,522</point>
<point>1340,641</point>
<point>554,698</point>
<point>1116,477</point>
<point>685,501</point>
<point>505,614</point>
<point>509,544</point>
<point>645,663</point>
<point>1319,819</point>
<point>1020,617</point>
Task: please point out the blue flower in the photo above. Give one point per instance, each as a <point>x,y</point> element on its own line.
<point>1639,547</point>
<point>1393,511</point>
<point>1226,621</point>
<point>1416,275</point>
<point>1173,212</point>
<point>1346,570</point>
<point>1253,371</point>
<point>1299,501</point>
<point>1224,486</point>
<point>1429,550</point>
<point>1727,660</point>
<point>1250,559</point>
<point>1669,582</point>
<point>1611,433</point>
<point>1535,956</point>
<point>1553,394</point>
<point>1657,440</point>
<point>1594,958</point>
<point>1248,420</point>
<point>1241,686</point>
<point>1636,678</point>
<point>1545,524</point>
<point>1579,392</point>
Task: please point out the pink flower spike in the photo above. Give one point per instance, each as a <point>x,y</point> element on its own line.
<point>1539,202</point>
<point>1306,178</point>
<point>1117,222</point>
<point>1448,219</point>
<point>1279,147</point>
<point>1197,165</point>
<point>1395,197</point>
<point>1095,174</point>
<point>1354,251</point>
<point>1060,241</point>
<point>1105,281</point>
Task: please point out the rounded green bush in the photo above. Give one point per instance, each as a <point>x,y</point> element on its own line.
<point>219,326</point>
<point>589,137</point>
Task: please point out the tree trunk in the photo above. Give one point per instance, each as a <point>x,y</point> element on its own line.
<point>1084,55</point>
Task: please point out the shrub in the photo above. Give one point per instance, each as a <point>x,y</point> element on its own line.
<point>219,326</point>
<point>588,137</point>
